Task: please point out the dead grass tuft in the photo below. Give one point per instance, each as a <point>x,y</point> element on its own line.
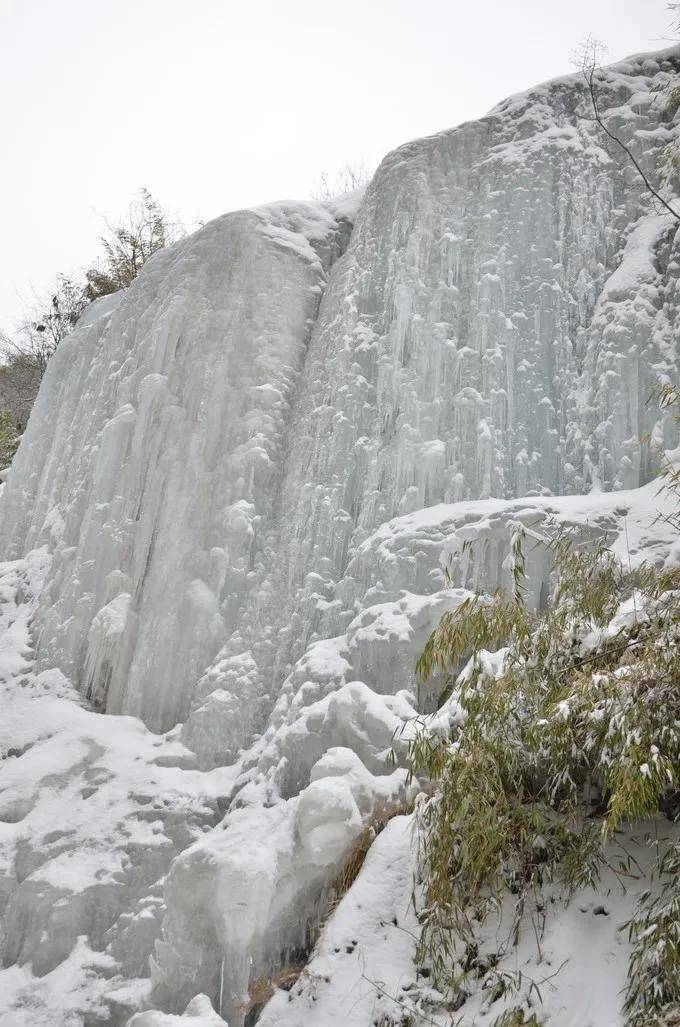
<point>262,989</point>
<point>355,858</point>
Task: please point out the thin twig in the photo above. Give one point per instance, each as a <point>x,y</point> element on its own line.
<point>589,75</point>
<point>402,1005</point>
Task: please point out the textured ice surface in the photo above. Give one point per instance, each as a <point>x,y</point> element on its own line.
<point>155,448</point>
<point>231,513</point>
<point>209,451</point>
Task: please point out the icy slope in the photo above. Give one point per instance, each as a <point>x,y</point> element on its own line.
<point>200,520</point>
<point>92,811</point>
<point>101,821</point>
<point>115,849</point>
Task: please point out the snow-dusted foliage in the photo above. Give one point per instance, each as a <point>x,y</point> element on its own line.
<point>231,516</point>
<point>567,735</point>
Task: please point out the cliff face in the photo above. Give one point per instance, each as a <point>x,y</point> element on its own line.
<point>215,455</point>
<point>209,454</point>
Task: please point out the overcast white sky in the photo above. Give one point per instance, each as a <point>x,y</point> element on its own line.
<point>218,104</point>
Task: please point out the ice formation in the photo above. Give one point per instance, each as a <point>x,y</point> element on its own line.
<point>228,522</point>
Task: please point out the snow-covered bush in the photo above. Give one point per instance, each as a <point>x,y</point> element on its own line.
<point>655,961</point>
<point>571,733</point>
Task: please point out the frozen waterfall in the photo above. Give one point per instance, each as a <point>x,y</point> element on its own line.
<point>229,512</point>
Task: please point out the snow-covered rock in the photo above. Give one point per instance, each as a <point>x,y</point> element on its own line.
<point>229,524</point>
<point>199,1013</point>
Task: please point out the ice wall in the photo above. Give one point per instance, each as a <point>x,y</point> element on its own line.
<point>154,450</point>
<point>506,304</point>
<point>209,450</point>
<point>504,307</point>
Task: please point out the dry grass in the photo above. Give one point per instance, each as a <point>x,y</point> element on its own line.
<point>355,858</point>
<point>668,1017</point>
<point>262,989</point>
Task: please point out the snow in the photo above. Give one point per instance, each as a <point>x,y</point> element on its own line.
<point>580,959</point>
<point>92,811</point>
<point>637,264</point>
<point>367,947</point>
<point>139,868</point>
<point>229,528</point>
<point>364,965</point>
<point>199,1013</point>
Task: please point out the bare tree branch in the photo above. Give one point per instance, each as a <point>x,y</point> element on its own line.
<point>588,61</point>
<point>346,179</point>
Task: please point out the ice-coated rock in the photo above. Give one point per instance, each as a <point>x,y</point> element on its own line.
<point>231,516</point>
<point>199,1013</point>
<point>244,894</point>
<point>365,954</point>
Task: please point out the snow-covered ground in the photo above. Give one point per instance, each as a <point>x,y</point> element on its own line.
<point>112,839</point>
<point>575,955</point>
